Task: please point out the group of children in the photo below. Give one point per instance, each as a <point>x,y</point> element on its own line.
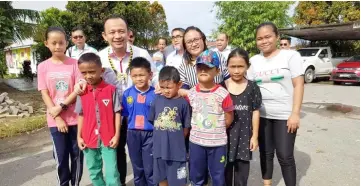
<point>220,119</point>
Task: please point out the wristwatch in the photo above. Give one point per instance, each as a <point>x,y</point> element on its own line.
<point>63,106</point>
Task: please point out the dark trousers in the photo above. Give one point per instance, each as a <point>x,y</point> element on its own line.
<point>237,173</point>
<point>202,159</point>
<point>273,136</point>
<point>64,146</point>
<point>121,155</point>
<point>140,147</point>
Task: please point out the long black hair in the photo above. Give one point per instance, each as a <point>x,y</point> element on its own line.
<point>240,52</point>
<point>187,56</point>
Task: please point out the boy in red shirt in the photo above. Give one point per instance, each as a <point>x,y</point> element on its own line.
<point>98,122</point>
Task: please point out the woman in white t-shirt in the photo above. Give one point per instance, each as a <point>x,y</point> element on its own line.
<point>278,73</point>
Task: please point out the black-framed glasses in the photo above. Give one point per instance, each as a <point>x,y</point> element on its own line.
<point>177,37</point>
<point>195,40</point>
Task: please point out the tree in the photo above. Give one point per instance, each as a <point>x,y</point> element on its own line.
<point>326,12</point>
<point>240,19</point>
<point>51,17</point>
<point>329,12</point>
<point>140,17</point>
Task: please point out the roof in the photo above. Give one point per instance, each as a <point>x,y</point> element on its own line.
<point>339,31</point>
<point>21,44</point>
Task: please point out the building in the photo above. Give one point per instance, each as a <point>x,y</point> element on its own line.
<point>17,53</point>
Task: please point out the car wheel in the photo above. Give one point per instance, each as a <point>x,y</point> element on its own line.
<point>337,83</point>
<point>309,75</point>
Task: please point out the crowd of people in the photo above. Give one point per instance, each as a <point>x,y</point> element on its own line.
<point>184,113</point>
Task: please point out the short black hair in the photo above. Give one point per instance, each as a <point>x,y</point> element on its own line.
<point>55,29</point>
<point>90,58</point>
<point>178,29</point>
<point>166,42</point>
<point>115,16</point>
<point>78,28</point>
<point>286,38</point>
<point>169,73</point>
<point>140,62</point>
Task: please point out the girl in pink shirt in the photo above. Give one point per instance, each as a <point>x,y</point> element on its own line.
<point>56,79</point>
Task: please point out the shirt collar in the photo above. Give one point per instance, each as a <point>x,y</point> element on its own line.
<point>112,53</point>
<point>149,89</point>
<point>85,47</point>
<point>198,89</point>
<point>101,85</point>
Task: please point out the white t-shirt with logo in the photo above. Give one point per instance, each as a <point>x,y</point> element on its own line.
<point>274,78</point>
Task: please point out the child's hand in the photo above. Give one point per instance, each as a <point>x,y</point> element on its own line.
<point>62,126</point>
<point>114,142</point>
<point>253,144</point>
<point>79,88</point>
<point>55,111</point>
<point>81,143</point>
<point>183,92</point>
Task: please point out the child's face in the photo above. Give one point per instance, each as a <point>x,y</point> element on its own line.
<point>140,77</point>
<point>91,72</point>
<point>237,68</point>
<point>169,88</point>
<point>56,43</point>
<point>206,74</point>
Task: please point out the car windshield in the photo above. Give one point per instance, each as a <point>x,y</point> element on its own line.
<point>353,59</point>
<point>307,52</point>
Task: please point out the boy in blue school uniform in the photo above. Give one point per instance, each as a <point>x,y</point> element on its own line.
<point>136,103</point>
<point>171,116</point>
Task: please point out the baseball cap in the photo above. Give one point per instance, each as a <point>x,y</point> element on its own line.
<point>209,58</point>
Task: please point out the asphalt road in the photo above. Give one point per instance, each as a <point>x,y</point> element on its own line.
<point>327,146</point>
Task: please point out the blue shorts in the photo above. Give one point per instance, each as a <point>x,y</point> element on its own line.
<point>175,172</point>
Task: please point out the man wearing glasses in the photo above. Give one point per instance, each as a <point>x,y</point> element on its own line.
<point>175,58</point>
<point>285,43</point>
<point>80,47</point>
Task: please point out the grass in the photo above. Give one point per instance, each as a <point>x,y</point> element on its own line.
<point>21,125</point>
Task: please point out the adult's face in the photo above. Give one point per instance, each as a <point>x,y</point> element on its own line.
<point>116,33</point>
<point>177,39</point>
<point>194,43</point>
<point>266,39</point>
<point>221,42</point>
<point>78,38</point>
<point>131,37</point>
<point>284,44</point>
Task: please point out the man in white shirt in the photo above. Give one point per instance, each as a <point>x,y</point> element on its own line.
<point>222,45</point>
<point>175,58</point>
<point>80,47</point>
<point>115,59</point>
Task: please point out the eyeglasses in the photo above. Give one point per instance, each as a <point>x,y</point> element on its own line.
<point>195,40</point>
<point>177,37</point>
<point>78,37</point>
<point>283,44</point>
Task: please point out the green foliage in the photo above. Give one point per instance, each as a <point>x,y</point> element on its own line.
<point>3,66</point>
<point>15,24</point>
<point>326,12</point>
<point>239,19</point>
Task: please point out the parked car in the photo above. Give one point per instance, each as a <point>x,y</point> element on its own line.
<point>318,62</point>
<point>347,71</point>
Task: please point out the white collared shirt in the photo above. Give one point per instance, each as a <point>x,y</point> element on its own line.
<point>75,52</point>
<point>174,60</point>
<point>110,76</point>
<point>225,53</point>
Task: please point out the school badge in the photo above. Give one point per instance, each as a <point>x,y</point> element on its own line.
<point>129,100</point>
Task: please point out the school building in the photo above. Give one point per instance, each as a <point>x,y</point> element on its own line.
<point>17,53</point>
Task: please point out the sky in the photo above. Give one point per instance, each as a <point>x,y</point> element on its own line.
<point>179,13</point>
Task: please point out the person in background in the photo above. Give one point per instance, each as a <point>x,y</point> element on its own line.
<point>80,47</point>
<point>131,37</point>
<point>158,57</point>
<point>175,58</point>
<point>279,75</point>
<point>285,43</point>
<point>222,45</point>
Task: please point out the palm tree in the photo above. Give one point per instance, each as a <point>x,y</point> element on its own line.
<point>16,24</point>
